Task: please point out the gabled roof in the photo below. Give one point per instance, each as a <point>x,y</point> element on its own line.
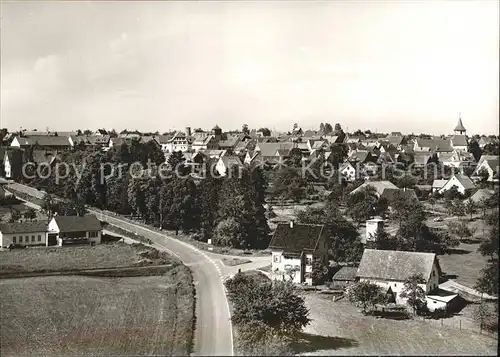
<point>77,223</point>
<point>23,227</point>
<point>300,238</point>
<point>482,193</point>
<point>443,145</point>
<point>379,186</point>
<point>459,140</point>
<point>428,144</point>
<point>62,141</point>
<point>359,155</point>
<point>229,143</point>
<point>346,273</point>
<point>421,158</point>
<point>269,149</point>
<point>438,183</point>
<point>465,181</point>
<point>162,139</point>
<point>390,194</point>
<point>395,265</point>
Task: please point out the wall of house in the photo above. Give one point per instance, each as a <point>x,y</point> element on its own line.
<point>433,281</point>
<point>221,168</point>
<point>452,182</point>
<point>433,304</point>
<point>396,286</point>
<point>7,167</point>
<point>279,264</point>
<point>33,238</point>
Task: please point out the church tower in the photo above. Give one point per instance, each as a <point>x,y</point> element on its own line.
<point>459,129</point>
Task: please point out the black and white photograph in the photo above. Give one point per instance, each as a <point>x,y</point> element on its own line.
<point>249,178</point>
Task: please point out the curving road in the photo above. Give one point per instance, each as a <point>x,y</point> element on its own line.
<point>213,333</point>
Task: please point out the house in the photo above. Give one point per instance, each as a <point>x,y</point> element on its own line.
<point>348,171</point>
<point>46,142</point>
<point>162,141</point>
<point>63,230</point>
<point>361,156</point>
<point>23,233</point>
<point>372,227</point>
<point>459,142</point>
<point>213,153</point>
<point>230,143</point>
<point>390,268</point>
<point>12,163</point>
<point>427,145</point>
<point>344,277</point>
<point>481,195</point>
<point>178,142</point>
<point>293,247</point>
<point>421,159</point>
<point>205,143</point>
<point>463,183</point>
<point>90,140</point>
<point>226,163</point>
<point>490,163</point>
<point>391,195</point>
<point>438,185</point>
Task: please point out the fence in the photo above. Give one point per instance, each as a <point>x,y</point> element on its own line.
<point>457,323</point>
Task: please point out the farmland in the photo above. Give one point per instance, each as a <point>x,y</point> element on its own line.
<point>70,315</point>
<point>79,257</point>
<point>369,335</point>
<point>110,313</point>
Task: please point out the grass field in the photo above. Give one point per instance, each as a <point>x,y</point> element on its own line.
<point>464,265</point>
<point>79,257</point>
<point>366,335</point>
<point>82,316</point>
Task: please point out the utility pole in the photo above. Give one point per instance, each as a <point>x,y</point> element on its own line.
<point>161,215</point>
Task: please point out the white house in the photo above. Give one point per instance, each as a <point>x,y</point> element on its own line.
<point>372,227</point>
<point>293,247</point>
<point>490,163</point>
<point>390,268</point>
<point>225,164</point>
<point>463,183</point>
<point>179,142</point>
<point>7,166</point>
<point>204,143</point>
<point>348,171</point>
<point>23,233</point>
<point>63,230</point>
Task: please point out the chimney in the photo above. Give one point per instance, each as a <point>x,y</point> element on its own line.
<point>291,223</point>
<point>188,131</point>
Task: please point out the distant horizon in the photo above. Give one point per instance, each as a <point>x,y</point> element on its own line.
<point>386,66</point>
<point>346,129</point>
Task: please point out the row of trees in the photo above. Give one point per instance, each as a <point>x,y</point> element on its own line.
<point>229,209</point>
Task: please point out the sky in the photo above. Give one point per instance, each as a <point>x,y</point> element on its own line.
<point>380,65</point>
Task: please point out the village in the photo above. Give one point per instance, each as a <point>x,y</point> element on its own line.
<point>329,212</point>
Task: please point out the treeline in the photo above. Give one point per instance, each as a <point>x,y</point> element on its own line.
<point>229,210</point>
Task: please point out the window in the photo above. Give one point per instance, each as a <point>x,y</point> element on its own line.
<point>32,238</point>
<point>39,238</point>
<point>20,239</point>
<point>93,234</point>
<point>277,258</point>
<point>27,239</point>
<point>14,240</point>
<point>308,261</point>
<point>433,273</point>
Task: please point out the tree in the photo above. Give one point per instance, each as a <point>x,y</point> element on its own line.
<point>483,175</point>
<point>288,184</point>
<point>452,194</point>
<point>456,207</point>
<point>485,316</point>
<point>322,128</point>
<point>48,205</point>
<point>265,131</point>
<point>342,236</point>
<point>30,214</point>
<point>227,233</point>
<point>245,129</point>
<point>328,128</point>
<point>413,292</point>
<point>365,294</point>
<point>208,195</point>
<point>475,150</point>
<point>460,229</point>
<point>176,162</point>
<point>363,205</point>
<point>15,216</point>
<point>72,208</point>
<point>488,280</point>
<point>319,271</point>
<point>383,241</point>
<point>274,305</point>
<point>470,207</point>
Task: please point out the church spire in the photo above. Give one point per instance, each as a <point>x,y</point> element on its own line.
<point>460,127</point>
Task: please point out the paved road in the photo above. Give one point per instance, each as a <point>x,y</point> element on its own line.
<point>213,335</point>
